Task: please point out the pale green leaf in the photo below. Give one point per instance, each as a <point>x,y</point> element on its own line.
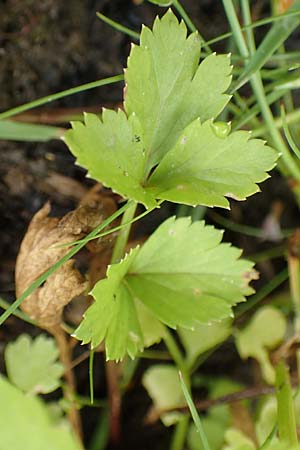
<point>166,87</point>
<point>267,419</point>
<point>214,431</point>
<point>32,364</point>
<point>265,331</point>
<point>203,337</point>
<point>203,168</point>
<point>26,424</point>
<point>153,329</point>
<point>237,440</point>
<point>182,275</point>
<point>163,386</point>
<point>218,418</point>
<point>111,149</point>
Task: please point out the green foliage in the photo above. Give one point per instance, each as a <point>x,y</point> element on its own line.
<point>237,440</point>
<point>204,168</point>
<point>166,87</point>
<point>170,103</point>
<point>264,332</point>
<point>203,337</point>
<point>267,419</point>
<point>26,424</point>
<point>214,431</point>
<point>276,36</point>
<point>180,283</point>
<point>111,149</point>
<point>163,386</point>
<point>218,418</point>
<point>32,365</point>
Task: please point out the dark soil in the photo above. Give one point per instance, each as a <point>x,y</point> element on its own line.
<point>51,45</point>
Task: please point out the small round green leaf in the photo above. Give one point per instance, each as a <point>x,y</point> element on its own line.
<point>32,364</point>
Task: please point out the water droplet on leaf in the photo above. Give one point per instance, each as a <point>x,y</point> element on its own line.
<point>221,129</point>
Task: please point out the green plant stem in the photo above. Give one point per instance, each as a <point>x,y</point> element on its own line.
<point>285,407</point>
<point>22,316</point>
<point>271,253</point>
<point>180,432</point>
<point>258,23</point>
<point>100,437</point>
<point>243,229</point>
<point>177,5</point>
<point>110,231</point>
<point>176,354</point>
<point>40,280</point>
<point>111,367</point>
<point>58,95</point>
<point>288,135</point>
<point>117,26</point>
<point>247,21</point>
<point>18,313</point>
<point>290,118</point>
<point>257,86</point>
<point>122,239</point>
<point>194,413</point>
<point>266,290</point>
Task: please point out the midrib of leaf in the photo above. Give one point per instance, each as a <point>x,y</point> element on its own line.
<point>161,107</point>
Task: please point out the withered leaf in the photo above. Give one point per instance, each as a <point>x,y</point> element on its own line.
<point>39,251</point>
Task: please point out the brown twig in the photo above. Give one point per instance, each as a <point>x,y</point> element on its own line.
<point>70,386</point>
<point>56,116</point>
<point>114,398</point>
<point>203,405</point>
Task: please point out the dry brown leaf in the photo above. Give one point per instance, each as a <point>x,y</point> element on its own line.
<point>39,252</point>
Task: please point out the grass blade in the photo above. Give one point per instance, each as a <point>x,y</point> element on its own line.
<point>117,26</point>
<point>58,95</point>
<point>277,35</point>
<point>194,414</point>
<point>288,135</point>
<point>14,131</point>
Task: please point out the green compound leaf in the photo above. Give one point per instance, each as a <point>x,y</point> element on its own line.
<point>111,149</point>
<point>26,423</point>
<point>170,103</point>
<point>183,275</point>
<point>204,168</point>
<point>166,87</point>
<point>32,365</point>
